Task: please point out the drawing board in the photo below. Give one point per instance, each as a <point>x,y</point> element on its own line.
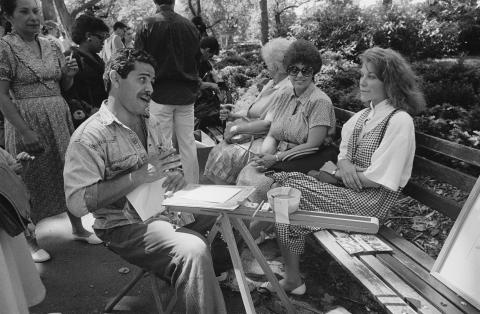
<point>458,265</point>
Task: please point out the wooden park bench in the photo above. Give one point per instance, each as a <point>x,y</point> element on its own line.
<point>400,280</point>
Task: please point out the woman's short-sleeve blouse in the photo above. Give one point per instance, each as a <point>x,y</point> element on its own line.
<point>294,116</point>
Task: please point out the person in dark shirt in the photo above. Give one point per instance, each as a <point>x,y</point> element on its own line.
<point>174,43</point>
<point>88,89</point>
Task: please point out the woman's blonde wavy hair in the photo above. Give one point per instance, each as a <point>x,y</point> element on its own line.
<point>401,84</point>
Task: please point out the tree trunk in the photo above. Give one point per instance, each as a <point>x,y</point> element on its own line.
<point>64,15</point>
<point>278,24</point>
<point>264,21</point>
<point>48,10</point>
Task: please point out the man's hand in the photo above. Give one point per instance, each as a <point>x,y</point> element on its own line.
<point>347,171</point>
<point>158,166</point>
<point>174,181</point>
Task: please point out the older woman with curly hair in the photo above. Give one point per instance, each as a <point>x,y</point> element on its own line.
<point>375,160</point>
<point>227,158</point>
<point>301,119</point>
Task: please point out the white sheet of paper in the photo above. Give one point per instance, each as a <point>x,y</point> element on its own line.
<point>208,193</point>
<point>147,199</point>
<point>281,210</point>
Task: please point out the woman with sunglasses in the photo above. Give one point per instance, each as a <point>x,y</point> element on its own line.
<point>375,160</point>
<point>88,91</point>
<point>301,120</point>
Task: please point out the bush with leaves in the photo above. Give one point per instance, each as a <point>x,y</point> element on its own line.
<point>343,28</point>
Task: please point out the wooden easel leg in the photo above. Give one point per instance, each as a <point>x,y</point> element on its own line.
<point>213,232</point>
<point>240,226</point>
<point>226,228</point>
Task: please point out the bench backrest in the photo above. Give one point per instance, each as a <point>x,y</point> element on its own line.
<point>435,170</point>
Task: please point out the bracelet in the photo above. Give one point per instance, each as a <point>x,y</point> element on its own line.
<point>277,158</point>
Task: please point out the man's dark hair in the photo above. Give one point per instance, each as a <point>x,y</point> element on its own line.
<point>160,2</point>
<point>87,24</point>
<point>118,25</point>
<point>212,43</point>
<point>123,61</point>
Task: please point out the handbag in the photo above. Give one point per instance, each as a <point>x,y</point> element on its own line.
<point>242,137</point>
<point>14,202</point>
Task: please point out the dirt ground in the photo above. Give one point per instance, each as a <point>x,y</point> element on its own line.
<point>82,278</point>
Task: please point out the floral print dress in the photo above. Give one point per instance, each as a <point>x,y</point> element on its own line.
<point>35,90</point>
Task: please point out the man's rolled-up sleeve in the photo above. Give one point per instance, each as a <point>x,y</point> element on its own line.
<point>84,168</point>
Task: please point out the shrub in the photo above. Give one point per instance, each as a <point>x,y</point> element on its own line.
<point>341,28</point>
<point>443,82</point>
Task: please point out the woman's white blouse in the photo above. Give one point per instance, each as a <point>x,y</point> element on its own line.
<point>392,162</point>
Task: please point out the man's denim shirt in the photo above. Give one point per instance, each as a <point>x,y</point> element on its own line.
<point>101,149</point>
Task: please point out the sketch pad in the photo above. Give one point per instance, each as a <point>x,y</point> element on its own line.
<point>210,196</point>
<point>147,199</point>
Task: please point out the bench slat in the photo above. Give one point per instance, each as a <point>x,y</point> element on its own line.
<point>443,173</point>
<point>386,296</point>
<point>427,285</point>
<point>398,285</point>
<point>432,199</point>
<point>447,148</point>
<point>393,239</point>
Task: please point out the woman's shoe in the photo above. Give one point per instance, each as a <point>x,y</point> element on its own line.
<point>40,256</point>
<point>90,238</point>
<point>300,290</point>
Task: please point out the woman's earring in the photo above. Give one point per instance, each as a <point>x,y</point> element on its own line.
<point>89,39</point>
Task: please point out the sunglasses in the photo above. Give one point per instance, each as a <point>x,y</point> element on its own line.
<point>294,70</point>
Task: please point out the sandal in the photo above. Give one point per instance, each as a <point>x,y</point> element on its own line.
<point>90,239</point>
<point>300,290</point>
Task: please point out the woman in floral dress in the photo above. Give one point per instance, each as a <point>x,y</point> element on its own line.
<point>375,160</point>
<point>32,73</point>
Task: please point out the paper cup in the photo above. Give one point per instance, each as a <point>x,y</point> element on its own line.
<point>291,194</point>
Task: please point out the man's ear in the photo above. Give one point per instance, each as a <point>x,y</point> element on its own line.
<point>114,78</point>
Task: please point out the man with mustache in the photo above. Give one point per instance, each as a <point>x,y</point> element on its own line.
<point>116,150</point>
<point>174,43</point>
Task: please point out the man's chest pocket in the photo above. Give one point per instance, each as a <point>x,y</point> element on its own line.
<point>125,164</point>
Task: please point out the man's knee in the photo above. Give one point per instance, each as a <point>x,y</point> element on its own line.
<point>194,247</point>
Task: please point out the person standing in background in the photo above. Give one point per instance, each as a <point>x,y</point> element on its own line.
<point>88,91</point>
<point>128,39</point>
<point>174,43</point>
<point>114,42</point>
<point>51,31</point>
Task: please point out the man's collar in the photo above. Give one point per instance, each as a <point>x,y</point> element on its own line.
<point>106,116</point>
<point>165,8</point>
